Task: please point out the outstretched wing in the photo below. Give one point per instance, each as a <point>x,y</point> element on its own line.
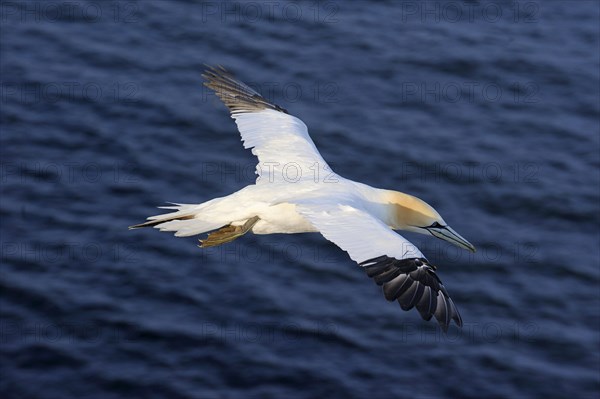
<point>285,151</point>
<point>390,259</point>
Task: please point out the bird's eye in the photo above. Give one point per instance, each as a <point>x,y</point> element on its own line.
<point>436,225</point>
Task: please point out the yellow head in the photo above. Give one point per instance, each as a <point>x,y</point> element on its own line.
<point>413,214</point>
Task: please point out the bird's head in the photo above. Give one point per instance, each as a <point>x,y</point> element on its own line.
<point>413,214</point>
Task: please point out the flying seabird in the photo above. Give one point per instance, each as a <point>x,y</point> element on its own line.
<point>297,192</point>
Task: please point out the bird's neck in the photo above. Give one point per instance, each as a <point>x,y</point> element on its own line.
<point>401,211</point>
<point>398,210</point>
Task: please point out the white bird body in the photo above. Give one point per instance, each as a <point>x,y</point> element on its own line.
<point>276,214</point>
<point>276,206</point>
<point>297,192</point>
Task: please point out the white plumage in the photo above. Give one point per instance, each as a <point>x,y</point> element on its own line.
<point>297,192</point>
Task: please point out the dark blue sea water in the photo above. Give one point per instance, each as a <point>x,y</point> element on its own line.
<point>487,110</point>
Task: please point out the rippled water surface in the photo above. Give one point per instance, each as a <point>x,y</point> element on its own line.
<point>489,111</point>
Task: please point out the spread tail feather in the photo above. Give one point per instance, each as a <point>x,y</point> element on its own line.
<point>154,223</point>
<point>184,212</point>
<point>186,221</point>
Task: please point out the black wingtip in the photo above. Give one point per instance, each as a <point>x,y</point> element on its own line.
<point>235,94</point>
<point>414,283</point>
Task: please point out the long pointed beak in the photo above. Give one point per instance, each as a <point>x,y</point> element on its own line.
<point>446,233</point>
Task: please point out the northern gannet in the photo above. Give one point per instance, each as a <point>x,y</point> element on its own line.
<point>297,192</point>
